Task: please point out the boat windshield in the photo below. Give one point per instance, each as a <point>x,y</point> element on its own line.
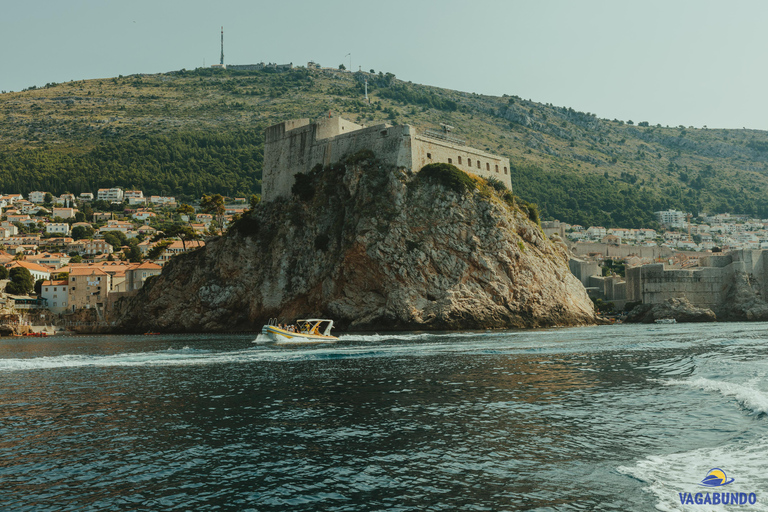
<point>316,326</point>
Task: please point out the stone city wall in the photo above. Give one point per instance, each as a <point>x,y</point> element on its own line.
<point>705,286</point>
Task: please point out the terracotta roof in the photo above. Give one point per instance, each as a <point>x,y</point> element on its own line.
<point>87,271</point>
<point>55,283</point>
<point>30,266</point>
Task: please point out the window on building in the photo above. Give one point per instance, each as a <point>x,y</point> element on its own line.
<point>459,160</point>
<point>429,155</point>
<point>497,168</point>
<point>487,166</point>
<point>469,162</point>
<point>450,161</point>
<point>478,164</point>
<point>505,170</point>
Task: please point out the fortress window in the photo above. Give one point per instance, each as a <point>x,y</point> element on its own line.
<point>505,170</point>
<point>429,155</point>
<point>497,168</point>
<point>469,162</point>
<point>487,166</point>
<point>459,160</point>
<point>450,160</point>
<point>478,164</point>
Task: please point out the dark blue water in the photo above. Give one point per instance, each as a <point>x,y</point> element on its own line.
<point>601,418</point>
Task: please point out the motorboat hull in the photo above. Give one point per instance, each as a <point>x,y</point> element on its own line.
<point>273,334</point>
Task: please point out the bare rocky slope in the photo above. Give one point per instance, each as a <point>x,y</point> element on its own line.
<point>375,249</point>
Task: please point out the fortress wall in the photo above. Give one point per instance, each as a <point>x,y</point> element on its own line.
<point>390,144</point>
<point>427,150</point>
<point>621,251</point>
<point>583,269</point>
<point>288,152</point>
<point>298,145</point>
<point>285,154</point>
<point>703,287</point>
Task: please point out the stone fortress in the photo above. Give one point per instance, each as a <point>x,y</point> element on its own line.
<point>734,285</point>
<point>298,145</point>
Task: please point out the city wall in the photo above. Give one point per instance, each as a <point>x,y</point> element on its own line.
<point>622,251</point>
<point>707,286</point>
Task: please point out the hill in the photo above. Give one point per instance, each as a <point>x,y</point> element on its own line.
<point>187,133</point>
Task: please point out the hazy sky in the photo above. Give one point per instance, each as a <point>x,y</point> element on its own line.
<point>674,62</point>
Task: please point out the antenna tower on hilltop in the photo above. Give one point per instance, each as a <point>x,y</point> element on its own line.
<point>222,46</point>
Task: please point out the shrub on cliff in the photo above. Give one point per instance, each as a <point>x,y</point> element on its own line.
<point>303,187</point>
<point>448,176</point>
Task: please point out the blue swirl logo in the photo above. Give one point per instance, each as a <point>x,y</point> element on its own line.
<point>716,478</point>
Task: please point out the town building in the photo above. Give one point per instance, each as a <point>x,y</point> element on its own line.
<point>37,197</point>
<point>298,145</point>
<point>64,213</point>
<point>111,195</point>
<point>57,228</point>
<point>38,271</point>
<point>88,288</point>
<point>55,294</point>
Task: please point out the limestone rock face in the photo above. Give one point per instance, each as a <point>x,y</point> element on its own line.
<point>374,249</point>
<point>743,302</point>
<point>678,308</point>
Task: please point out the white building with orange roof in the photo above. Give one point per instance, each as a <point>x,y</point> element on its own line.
<point>38,271</point>
<point>52,260</point>
<point>55,294</point>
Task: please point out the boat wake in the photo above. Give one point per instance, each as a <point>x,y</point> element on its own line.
<point>751,398</point>
<point>667,476</point>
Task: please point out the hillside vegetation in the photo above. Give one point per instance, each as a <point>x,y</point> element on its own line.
<point>192,132</point>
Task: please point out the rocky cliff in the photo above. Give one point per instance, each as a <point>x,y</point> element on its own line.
<point>373,248</point>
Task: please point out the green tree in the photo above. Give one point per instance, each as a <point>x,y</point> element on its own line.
<point>39,286</point>
<point>82,232</point>
<point>254,200</point>
<point>21,281</point>
<point>158,249</point>
<point>76,259</point>
<point>48,198</point>
<point>3,272</point>
<point>188,210</point>
<point>214,205</point>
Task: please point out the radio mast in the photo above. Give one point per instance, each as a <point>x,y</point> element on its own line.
<point>222,46</point>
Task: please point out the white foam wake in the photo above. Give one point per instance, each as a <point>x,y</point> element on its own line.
<point>669,475</point>
<point>749,397</point>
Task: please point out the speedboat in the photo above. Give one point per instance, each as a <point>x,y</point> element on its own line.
<point>310,331</point>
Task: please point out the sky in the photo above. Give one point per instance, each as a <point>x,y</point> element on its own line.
<point>683,62</point>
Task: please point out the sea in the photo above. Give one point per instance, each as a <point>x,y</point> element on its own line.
<point>608,418</point>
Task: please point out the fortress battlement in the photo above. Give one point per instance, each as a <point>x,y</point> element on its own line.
<point>298,145</point>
